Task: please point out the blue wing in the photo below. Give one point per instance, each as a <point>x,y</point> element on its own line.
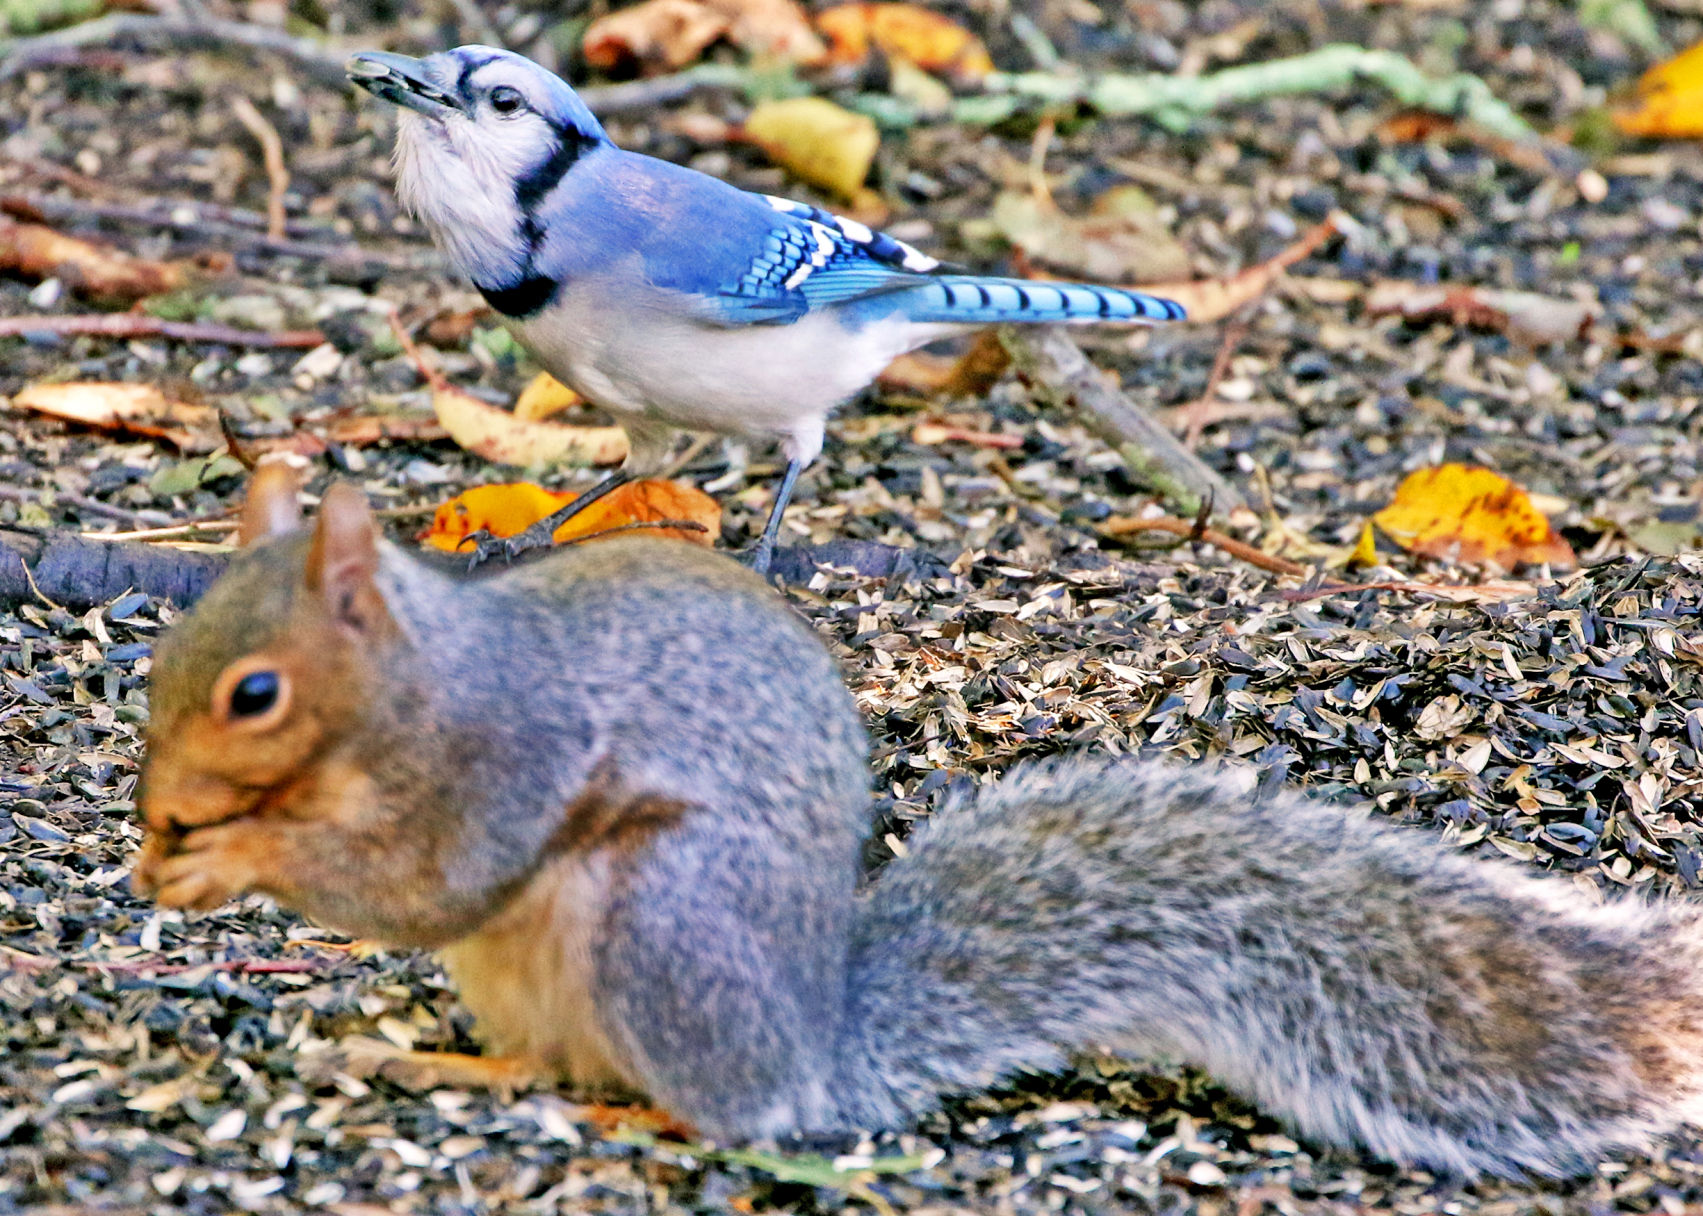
<point>747,259</point>
<point>833,260</point>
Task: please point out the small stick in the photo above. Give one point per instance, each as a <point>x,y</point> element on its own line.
<point>404,339</point>
<point>272,155</point>
<point>1119,526</point>
<point>141,325</point>
<point>1198,412</point>
<point>1050,361</point>
<point>172,533</point>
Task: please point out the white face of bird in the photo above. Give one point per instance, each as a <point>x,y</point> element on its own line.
<point>484,137</point>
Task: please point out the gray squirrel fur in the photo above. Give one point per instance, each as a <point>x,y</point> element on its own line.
<point>1363,982</point>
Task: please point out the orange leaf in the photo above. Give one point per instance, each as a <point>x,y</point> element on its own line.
<point>775,29</point>
<point>503,510</point>
<point>1470,515</point>
<point>1670,99</point>
<point>658,34</point>
<point>662,35</point>
<point>139,409</point>
<point>904,31</point>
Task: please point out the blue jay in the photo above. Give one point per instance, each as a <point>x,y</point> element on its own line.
<point>664,295</point>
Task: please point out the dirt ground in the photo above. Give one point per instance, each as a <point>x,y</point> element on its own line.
<point>160,1062</point>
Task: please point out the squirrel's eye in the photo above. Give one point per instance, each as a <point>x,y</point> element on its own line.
<point>505,100</point>
<point>254,694</point>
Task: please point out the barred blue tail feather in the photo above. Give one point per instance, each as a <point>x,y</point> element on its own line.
<point>949,298</point>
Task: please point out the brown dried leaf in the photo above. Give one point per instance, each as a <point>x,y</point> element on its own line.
<point>658,35</point>
<point>664,35</point>
<point>775,29</point>
<point>137,409</point>
<point>1121,240</point>
<point>1523,315</point>
<point>96,271</point>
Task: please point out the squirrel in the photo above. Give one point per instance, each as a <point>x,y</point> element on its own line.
<point>623,791</point>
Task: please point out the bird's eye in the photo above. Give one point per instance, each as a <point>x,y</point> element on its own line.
<point>255,693</point>
<point>505,100</point>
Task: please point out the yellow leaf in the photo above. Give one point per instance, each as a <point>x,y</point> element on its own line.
<point>545,396</point>
<point>817,140</point>
<point>499,436</point>
<point>1670,99</point>
<point>1472,516</point>
<point>503,510</point>
<point>1365,549</point>
<point>904,31</point>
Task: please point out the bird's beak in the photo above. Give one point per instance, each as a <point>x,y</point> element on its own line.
<point>399,80</point>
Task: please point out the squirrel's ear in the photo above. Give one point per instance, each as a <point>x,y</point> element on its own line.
<point>270,507</point>
<point>342,563</point>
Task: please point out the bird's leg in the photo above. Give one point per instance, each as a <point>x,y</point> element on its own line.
<point>764,551</point>
<point>541,534</point>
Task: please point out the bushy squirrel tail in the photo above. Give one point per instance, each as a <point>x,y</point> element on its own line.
<point>1359,980</point>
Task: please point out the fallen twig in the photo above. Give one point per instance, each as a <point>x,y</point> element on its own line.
<point>142,325</point>
<point>1214,299</point>
<point>1197,413</point>
<point>272,156</point>
<point>1120,526</point>
<point>1047,359</point>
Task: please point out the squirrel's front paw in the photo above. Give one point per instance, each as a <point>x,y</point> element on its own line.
<point>209,866</point>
